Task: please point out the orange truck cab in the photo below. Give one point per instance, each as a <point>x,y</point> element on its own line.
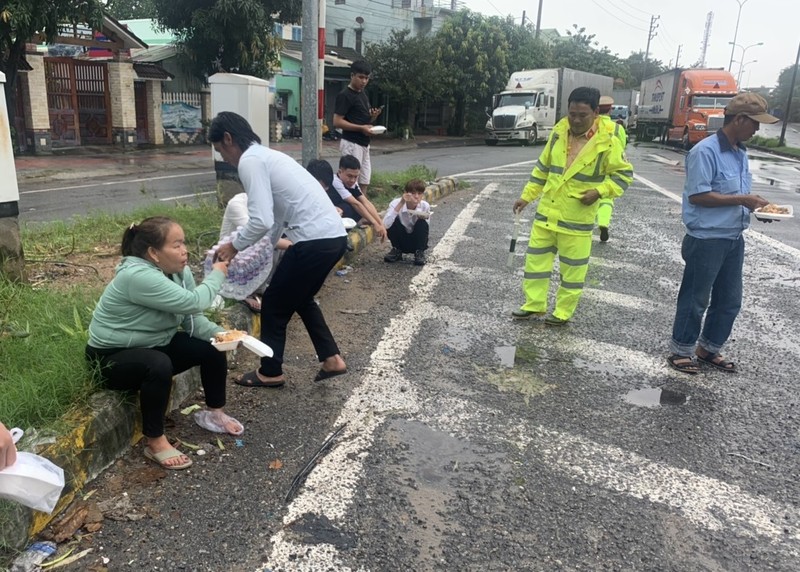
<point>684,105</point>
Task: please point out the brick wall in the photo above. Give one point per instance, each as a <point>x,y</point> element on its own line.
<point>123,104</point>
<point>37,114</point>
<point>154,123</point>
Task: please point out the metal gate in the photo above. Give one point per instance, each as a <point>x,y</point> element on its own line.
<point>140,100</point>
<point>78,101</point>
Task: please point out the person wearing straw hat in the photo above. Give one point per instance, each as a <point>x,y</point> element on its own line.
<point>716,211</point>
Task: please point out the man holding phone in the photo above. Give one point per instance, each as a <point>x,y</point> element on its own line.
<point>353,115</point>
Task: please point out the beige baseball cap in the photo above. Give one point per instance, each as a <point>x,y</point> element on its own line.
<point>606,100</point>
<point>752,105</point>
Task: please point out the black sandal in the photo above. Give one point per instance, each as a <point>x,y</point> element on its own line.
<point>683,364</point>
<point>719,362</point>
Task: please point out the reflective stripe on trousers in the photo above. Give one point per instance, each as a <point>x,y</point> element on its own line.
<point>573,253</point>
<point>604,212</point>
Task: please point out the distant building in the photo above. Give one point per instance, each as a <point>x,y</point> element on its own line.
<point>352,23</point>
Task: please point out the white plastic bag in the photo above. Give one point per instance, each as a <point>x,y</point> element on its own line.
<point>32,481</point>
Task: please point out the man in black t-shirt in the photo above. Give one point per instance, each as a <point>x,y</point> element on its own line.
<point>353,115</point>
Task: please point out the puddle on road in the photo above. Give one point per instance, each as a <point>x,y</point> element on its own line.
<point>655,397</point>
<point>506,354</point>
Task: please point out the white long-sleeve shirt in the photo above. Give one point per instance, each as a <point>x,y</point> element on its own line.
<point>407,218</point>
<point>283,198</point>
<point>235,214</point>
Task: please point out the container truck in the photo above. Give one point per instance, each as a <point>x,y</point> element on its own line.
<point>684,105</point>
<point>533,102</point>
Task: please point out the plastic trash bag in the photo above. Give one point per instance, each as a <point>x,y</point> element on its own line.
<point>248,270</point>
<point>32,481</point>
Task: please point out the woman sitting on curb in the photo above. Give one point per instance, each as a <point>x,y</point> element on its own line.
<point>134,334</point>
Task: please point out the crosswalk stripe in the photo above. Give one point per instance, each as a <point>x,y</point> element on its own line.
<point>331,486</point>
<point>703,500</point>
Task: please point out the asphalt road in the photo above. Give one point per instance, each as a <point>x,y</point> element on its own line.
<point>120,193</point>
<point>472,442</point>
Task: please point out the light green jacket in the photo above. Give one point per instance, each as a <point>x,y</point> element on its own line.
<point>143,308</point>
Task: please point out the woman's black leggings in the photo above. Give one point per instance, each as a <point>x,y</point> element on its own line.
<point>149,371</point>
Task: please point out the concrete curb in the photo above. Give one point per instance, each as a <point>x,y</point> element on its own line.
<point>110,424</point>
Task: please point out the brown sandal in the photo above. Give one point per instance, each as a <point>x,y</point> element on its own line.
<point>683,364</point>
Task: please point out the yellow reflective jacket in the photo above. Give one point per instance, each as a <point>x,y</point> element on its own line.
<point>600,165</point>
<point>617,129</point>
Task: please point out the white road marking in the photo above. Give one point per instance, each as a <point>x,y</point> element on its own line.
<point>111,183</point>
<point>190,196</point>
<point>703,500</point>
<point>331,486</point>
<point>617,299</point>
<point>764,239</point>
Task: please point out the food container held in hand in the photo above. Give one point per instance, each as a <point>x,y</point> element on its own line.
<point>377,129</point>
<point>247,271</point>
<point>774,212</point>
<point>32,481</point>
<point>230,340</point>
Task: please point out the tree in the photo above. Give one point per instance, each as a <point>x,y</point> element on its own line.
<point>21,20</point>
<point>131,9</point>
<point>403,70</point>
<point>227,35</point>
<point>635,64</point>
<point>581,51</point>
<point>525,52</point>
<point>473,51</point>
<point>780,95</point>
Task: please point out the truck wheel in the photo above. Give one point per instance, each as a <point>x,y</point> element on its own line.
<point>491,142</point>
<point>533,136</point>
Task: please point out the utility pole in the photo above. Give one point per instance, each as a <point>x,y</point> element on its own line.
<point>651,33</point>
<point>523,18</point>
<point>678,57</point>
<point>786,115</point>
<point>539,20</point>
<point>311,50</point>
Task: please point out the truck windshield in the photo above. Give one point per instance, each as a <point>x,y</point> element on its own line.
<point>710,102</point>
<point>517,99</point>
<point>619,112</point>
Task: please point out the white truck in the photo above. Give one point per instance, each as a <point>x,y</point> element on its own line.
<point>626,104</point>
<point>533,102</point>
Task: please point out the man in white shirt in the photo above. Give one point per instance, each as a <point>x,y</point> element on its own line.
<point>283,198</point>
<point>346,195</point>
<point>407,221</point>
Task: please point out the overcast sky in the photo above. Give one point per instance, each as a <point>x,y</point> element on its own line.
<point>622,26</point>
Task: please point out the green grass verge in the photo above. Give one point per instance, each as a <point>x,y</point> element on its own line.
<point>384,187</point>
<point>42,336</point>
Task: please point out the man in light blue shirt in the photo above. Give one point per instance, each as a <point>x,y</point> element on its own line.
<point>716,210</point>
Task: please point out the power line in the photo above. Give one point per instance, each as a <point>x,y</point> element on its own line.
<point>603,8</point>
<point>624,11</point>
<point>635,8</point>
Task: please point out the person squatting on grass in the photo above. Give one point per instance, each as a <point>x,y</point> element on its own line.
<point>407,222</point>
<point>282,197</point>
<point>149,325</point>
